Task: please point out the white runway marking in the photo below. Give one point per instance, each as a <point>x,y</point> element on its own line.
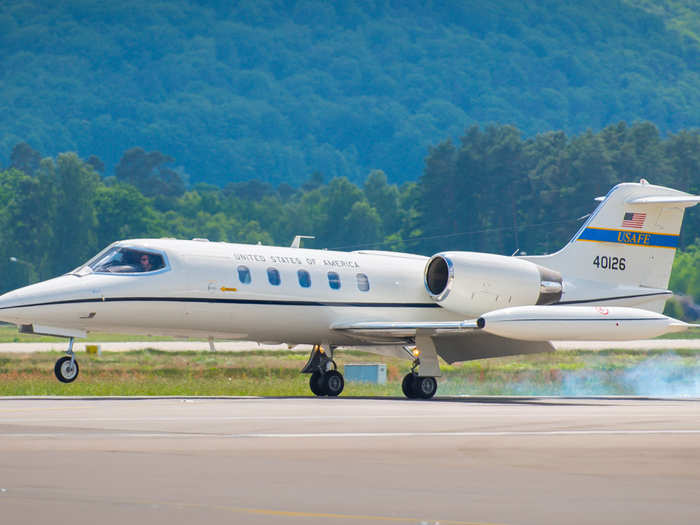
<point>213,418</point>
<point>330,417</point>
<point>330,435</point>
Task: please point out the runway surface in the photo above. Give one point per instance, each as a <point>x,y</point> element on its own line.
<point>241,346</point>
<point>349,460</point>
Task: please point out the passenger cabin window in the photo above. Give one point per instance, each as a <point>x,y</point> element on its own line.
<point>127,260</point>
<point>273,275</point>
<point>334,280</point>
<point>304,278</point>
<point>244,274</point>
<point>362,282</point>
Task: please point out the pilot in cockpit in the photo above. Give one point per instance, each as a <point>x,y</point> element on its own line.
<point>122,259</point>
<point>145,263</point>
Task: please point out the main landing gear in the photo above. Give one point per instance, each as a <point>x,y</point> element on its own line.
<point>325,379</point>
<point>66,368</point>
<point>415,386</point>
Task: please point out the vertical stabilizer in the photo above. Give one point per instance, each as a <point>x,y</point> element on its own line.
<point>629,241</point>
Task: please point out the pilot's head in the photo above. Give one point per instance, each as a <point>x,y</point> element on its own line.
<point>145,261</point>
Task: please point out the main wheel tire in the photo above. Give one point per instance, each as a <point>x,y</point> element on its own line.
<point>408,385</point>
<point>64,371</point>
<point>316,384</point>
<point>333,383</point>
<point>425,387</point>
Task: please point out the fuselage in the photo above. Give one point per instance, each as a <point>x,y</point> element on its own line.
<point>235,291</point>
<point>257,293</point>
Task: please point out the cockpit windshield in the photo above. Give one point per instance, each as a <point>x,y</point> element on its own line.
<point>120,259</point>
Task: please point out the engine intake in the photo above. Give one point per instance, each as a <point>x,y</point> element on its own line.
<point>473,283</point>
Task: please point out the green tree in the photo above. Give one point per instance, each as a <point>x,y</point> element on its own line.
<point>148,171</point>
<point>341,195</point>
<point>363,226</point>
<point>26,227</point>
<point>384,198</point>
<point>75,220</point>
<point>685,277</point>
<point>25,158</point>
<point>121,212</point>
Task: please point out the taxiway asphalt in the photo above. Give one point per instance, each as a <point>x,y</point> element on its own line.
<point>520,460</point>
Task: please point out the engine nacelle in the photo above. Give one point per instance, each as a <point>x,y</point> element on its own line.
<point>472,283</point>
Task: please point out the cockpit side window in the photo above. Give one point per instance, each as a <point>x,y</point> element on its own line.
<point>127,260</point>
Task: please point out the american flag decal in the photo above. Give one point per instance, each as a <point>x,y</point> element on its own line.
<point>633,220</point>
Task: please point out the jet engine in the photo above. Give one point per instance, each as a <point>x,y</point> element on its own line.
<point>471,283</point>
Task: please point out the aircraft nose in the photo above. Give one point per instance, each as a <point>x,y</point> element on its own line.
<point>11,299</point>
<point>19,305</point>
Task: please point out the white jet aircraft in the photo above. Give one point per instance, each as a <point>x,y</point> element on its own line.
<point>608,283</point>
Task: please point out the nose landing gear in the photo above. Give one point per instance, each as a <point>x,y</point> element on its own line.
<point>325,379</point>
<point>66,368</point>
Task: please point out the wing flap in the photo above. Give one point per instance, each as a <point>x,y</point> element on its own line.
<point>404,329</point>
<point>481,345</point>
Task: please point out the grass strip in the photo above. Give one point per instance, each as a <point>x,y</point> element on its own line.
<point>276,373</point>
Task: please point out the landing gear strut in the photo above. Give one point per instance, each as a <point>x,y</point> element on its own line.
<point>325,379</point>
<point>415,386</point>
<point>66,368</point>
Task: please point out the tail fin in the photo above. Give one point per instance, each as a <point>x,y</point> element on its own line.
<point>630,239</point>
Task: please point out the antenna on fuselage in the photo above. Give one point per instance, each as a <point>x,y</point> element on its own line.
<point>296,243</point>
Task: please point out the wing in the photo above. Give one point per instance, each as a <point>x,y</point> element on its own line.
<point>452,340</point>
<point>515,330</point>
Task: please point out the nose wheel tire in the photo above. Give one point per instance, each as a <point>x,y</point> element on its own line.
<point>65,371</point>
<point>329,383</point>
<point>415,387</point>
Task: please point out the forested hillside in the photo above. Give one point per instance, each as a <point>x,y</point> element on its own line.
<point>680,15</point>
<point>489,191</point>
<point>274,90</point>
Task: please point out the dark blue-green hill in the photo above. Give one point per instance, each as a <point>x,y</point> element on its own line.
<point>275,90</point>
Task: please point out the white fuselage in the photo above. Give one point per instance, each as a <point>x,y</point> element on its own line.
<point>200,294</point>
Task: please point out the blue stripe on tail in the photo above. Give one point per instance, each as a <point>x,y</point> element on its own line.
<point>634,238</point>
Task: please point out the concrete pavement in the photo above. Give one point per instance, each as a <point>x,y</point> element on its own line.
<point>520,460</point>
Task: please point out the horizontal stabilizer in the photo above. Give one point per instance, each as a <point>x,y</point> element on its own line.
<point>684,201</point>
